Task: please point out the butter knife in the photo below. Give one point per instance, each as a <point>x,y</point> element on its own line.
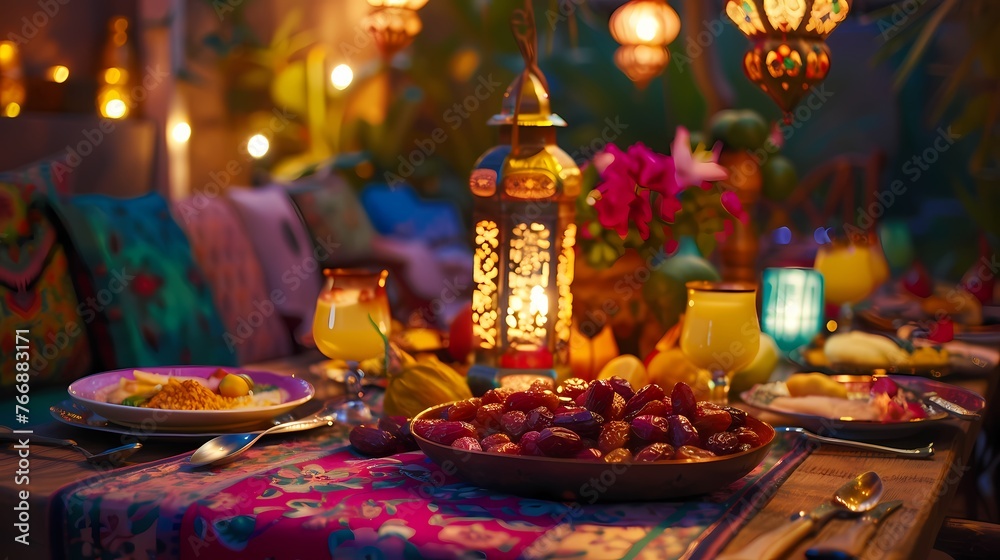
<point>934,400</point>
<point>851,543</point>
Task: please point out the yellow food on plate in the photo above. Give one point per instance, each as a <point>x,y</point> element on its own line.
<point>814,384</point>
<point>191,395</point>
<point>234,386</point>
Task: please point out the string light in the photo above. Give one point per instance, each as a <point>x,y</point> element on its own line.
<point>181,132</point>
<point>258,146</point>
<point>341,76</point>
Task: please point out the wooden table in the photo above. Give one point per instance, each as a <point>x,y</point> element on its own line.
<point>926,486</point>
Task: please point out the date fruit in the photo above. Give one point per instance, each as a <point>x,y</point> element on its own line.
<point>372,441</point>
<point>682,432</point>
<point>622,387</point>
<point>655,452</point>
<point>529,444</point>
<point>650,429</point>
<point>651,392</point>
<point>447,432</point>
<point>494,440</point>
<point>723,443</point>
<point>529,400</point>
<point>683,400</point>
<point>463,411</point>
<point>559,442</point>
<point>572,388</point>
<point>614,434</point>
<point>467,443</point>
<point>585,423</point>
<point>692,452</point>
<point>539,419</point>
<point>513,423</point>
<point>618,456</point>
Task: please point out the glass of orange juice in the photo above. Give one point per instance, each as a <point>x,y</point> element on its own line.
<point>850,273</point>
<point>351,322</point>
<point>721,332</point>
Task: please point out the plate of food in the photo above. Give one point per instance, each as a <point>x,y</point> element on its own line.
<point>190,399</point>
<point>860,406</point>
<point>866,353</point>
<point>556,444</point>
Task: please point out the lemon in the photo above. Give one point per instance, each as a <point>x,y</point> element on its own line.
<point>629,368</point>
<point>671,366</point>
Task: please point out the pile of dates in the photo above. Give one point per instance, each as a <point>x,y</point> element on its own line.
<point>604,420</point>
<point>390,436</point>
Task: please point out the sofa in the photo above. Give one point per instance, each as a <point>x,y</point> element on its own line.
<point>227,278</point>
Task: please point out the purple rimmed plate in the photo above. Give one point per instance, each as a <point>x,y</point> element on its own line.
<point>91,392</point>
<point>595,481</point>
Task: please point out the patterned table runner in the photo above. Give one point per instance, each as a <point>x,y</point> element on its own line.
<point>314,498</point>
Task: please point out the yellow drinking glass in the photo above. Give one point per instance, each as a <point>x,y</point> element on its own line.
<point>721,332</point>
<point>352,316</point>
<point>850,273</point>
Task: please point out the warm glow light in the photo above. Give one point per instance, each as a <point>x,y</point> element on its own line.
<point>115,109</point>
<point>408,4</point>
<point>647,28</point>
<point>342,76</point>
<point>258,146</point>
<point>58,74</point>
<point>112,75</point>
<point>539,301</point>
<point>7,51</point>
<point>12,110</point>
<point>831,325</point>
<point>181,132</point>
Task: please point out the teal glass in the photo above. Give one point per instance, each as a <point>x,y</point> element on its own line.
<point>792,309</point>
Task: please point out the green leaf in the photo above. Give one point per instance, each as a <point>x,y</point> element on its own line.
<point>923,40</point>
<point>385,341</point>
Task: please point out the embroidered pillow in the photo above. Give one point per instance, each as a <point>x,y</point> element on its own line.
<point>254,329</point>
<point>153,299</point>
<point>285,251</point>
<point>36,291</point>
<point>335,218</point>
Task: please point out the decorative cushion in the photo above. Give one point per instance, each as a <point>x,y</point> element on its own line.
<point>335,217</point>
<point>398,211</point>
<point>36,291</point>
<point>153,299</point>
<point>285,252</point>
<point>254,329</point>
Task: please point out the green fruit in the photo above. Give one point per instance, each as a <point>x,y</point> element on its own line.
<point>720,124</point>
<point>780,178</point>
<point>749,131</point>
<point>665,289</point>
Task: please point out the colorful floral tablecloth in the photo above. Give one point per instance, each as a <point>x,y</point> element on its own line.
<point>311,498</point>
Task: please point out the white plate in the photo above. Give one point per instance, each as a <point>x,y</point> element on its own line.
<point>760,396</point>
<point>89,392</point>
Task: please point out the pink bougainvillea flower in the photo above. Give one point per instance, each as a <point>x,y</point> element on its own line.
<point>732,204</point>
<point>692,171</point>
<point>640,213</point>
<point>656,173</point>
<point>727,230</point>
<point>776,137</point>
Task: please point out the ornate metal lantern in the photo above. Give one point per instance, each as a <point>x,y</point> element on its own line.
<point>524,212</point>
<point>789,53</point>
<point>394,24</point>
<point>644,28</point>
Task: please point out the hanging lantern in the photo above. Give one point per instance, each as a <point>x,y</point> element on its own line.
<point>789,54</point>
<point>644,28</point>
<point>394,24</point>
<point>524,214</point>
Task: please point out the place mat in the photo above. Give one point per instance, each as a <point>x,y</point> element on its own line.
<point>314,497</point>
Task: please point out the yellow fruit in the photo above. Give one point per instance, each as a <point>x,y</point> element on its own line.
<point>759,370</point>
<point>627,367</point>
<point>423,384</point>
<point>810,384</point>
<point>235,386</point>
<point>671,366</point>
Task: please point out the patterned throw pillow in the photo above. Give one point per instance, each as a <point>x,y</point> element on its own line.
<point>153,300</point>
<point>290,261</point>
<point>254,329</point>
<point>36,291</point>
<point>333,214</point>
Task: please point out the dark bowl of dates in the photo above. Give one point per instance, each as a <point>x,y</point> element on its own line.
<point>594,478</point>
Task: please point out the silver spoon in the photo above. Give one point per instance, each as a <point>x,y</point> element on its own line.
<point>223,449</point>
<point>114,457</point>
<point>858,495</point>
<point>918,453</point>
